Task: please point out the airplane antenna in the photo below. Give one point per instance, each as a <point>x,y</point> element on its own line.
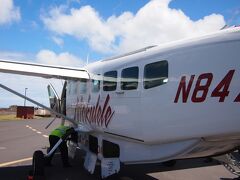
<point>87,58</point>
<point>224,27</point>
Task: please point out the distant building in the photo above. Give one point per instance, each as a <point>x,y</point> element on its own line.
<point>42,112</point>
<point>10,110</point>
<point>13,108</point>
<point>26,112</point>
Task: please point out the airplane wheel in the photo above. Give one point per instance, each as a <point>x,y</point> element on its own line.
<point>38,164</point>
<point>170,163</point>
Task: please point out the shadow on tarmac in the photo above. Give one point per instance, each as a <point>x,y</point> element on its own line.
<point>14,173</point>
<point>76,172</point>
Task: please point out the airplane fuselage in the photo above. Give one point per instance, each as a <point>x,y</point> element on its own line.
<point>173,101</point>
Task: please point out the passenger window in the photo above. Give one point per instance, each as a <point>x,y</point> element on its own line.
<point>110,81</point>
<point>95,85</point>
<point>129,78</point>
<point>155,74</point>
<point>83,86</point>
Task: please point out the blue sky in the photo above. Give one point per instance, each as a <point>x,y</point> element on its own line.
<point>66,32</point>
<point>29,35</point>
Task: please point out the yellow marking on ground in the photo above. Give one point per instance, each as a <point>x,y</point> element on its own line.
<point>39,132</point>
<point>46,136</point>
<point>15,162</point>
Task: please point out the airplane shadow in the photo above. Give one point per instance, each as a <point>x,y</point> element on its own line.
<point>13,173</point>
<point>142,171</point>
<point>76,172</point>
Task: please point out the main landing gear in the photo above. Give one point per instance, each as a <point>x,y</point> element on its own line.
<point>231,162</point>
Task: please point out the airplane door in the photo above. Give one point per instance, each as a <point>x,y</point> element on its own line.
<point>63,98</point>
<point>53,98</point>
<point>126,100</point>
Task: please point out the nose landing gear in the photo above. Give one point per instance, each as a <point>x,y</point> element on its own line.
<point>38,162</point>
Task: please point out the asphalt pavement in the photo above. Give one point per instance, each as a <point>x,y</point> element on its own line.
<point>19,139</point>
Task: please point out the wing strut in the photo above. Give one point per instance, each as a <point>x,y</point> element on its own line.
<point>39,104</point>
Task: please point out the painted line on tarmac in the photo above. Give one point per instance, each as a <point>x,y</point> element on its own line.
<point>35,130</point>
<point>15,162</point>
<point>2,148</point>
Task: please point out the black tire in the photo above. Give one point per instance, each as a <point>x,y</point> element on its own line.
<point>170,163</point>
<point>38,164</point>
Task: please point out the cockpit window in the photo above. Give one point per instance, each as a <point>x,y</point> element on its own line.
<point>72,87</point>
<point>155,74</point>
<point>95,85</point>
<point>83,86</point>
<point>129,78</point>
<point>110,81</point>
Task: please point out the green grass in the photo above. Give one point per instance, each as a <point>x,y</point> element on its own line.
<point>8,117</point>
<point>4,117</point>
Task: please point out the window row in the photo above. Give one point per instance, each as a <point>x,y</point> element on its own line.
<point>155,74</point>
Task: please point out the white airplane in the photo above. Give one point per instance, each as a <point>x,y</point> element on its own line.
<point>160,103</point>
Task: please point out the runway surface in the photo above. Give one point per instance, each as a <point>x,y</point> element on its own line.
<point>19,139</point>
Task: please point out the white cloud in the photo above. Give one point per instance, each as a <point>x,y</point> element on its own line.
<point>155,23</point>
<point>64,59</point>
<point>44,56</point>
<point>58,41</point>
<point>34,24</point>
<point>11,55</point>
<point>83,23</point>
<point>8,12</point>
<point>37,87</point>
<point>73,1</point>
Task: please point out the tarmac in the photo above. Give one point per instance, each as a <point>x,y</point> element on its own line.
<point>19,139</point>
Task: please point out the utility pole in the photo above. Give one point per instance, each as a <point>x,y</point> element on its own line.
<point>25,96</point>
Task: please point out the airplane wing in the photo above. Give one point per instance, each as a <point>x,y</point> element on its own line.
<point>44,71</point>
<point>40,70</point>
